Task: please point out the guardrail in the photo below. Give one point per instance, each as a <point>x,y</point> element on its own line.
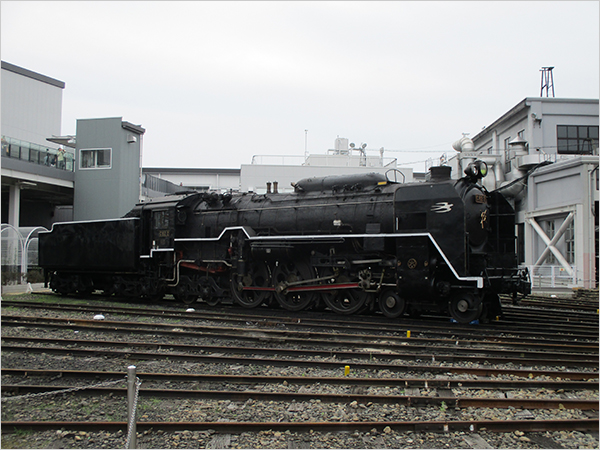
<point>37,154</point>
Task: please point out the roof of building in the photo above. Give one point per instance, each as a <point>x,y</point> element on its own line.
<point>191,171</point>
<point>33,75</point>
<point>526,102</point>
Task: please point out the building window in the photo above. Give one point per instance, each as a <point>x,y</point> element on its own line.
<point>96,158</point>
<point>506,142</point>
<point>573,139</point>
<point>550,231</point>
<point>570,243</point>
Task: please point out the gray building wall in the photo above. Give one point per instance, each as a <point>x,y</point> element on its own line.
<point>198,179</point>
<point>31,105</point>
<point>107,192</point>
<point>31,113</point>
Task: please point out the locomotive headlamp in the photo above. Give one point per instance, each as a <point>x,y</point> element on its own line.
<point>476,170</point>
<point>483,168</point>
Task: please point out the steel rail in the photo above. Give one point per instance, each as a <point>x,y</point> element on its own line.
<point>241,396</point>
<point>445,383</point>
<point>492,330</point>
<point>567,308</point>
<point>236,360</point>
<point>374,341</point>
<point>303,427</point>
<point>531,315</point>
<point>397,353</point>
<point>566,303</point>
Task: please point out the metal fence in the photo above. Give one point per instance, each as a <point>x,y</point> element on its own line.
<point>552,276</point>
<point>19,252</point>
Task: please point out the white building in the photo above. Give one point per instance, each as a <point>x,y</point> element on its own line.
<point>344,159</point>
<point>543,155</point>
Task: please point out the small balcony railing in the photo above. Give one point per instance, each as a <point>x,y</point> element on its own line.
<point>37,154</point>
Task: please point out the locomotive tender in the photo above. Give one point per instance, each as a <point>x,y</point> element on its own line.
<point>350,243</point>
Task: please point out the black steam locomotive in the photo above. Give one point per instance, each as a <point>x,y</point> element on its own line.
<point>349,243</point>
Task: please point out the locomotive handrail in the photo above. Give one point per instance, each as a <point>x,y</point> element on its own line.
<point>395,178</point>
<point>78,222</point>
<point>251,236</point>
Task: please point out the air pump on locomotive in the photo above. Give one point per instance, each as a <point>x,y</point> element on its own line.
<point>350,243</point>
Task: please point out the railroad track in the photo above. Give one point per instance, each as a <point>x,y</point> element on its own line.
<point>23,375</point>
<point>439,356</point>
<point>581,301</point>
<point>436,426</point>
<point>439,391</point>
<point>444,378</point>
<point>347,347</point>
<point>365,324</point>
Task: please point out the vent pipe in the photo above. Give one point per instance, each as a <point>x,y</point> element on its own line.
<point>464,144</point>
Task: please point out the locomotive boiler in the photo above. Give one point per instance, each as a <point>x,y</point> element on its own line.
<point>349,243</point>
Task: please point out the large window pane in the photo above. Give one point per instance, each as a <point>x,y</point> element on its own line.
<point>95,158</point>
<point>103,158</point>
<point>573,139</point>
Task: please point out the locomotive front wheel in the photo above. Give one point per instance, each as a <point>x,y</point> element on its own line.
<point>289,273</point>
<point>462,308</point>
<point>391,304</point>
<point>257,277</point>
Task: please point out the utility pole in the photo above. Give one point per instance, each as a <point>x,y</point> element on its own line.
<point>305,144</point>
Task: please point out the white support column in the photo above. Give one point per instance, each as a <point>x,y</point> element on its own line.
<point>14,205</point>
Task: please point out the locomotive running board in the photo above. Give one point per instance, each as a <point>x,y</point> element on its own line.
<point>324,237</point>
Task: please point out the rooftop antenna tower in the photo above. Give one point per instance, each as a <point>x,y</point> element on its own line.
<point>547,81</point>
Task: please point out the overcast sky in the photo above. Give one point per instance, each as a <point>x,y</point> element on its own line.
<point>214,83</point>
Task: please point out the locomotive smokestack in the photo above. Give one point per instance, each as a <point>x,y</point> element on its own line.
<point>275,184</point>
<point>268,187</point>
<point>440,173</point>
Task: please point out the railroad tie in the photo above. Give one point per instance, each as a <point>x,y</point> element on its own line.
<point>476,441</point>
<point>220,441</point>
<point>297,444</point>
<point>545,442</point>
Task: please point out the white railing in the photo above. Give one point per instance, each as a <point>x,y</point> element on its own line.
<point>279,160</point>
<point>551,276</point>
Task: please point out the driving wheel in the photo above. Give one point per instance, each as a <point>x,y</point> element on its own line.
<point>287,275</point>
<point>257,278</point>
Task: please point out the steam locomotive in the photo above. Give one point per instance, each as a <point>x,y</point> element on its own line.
<point>350,243</point>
